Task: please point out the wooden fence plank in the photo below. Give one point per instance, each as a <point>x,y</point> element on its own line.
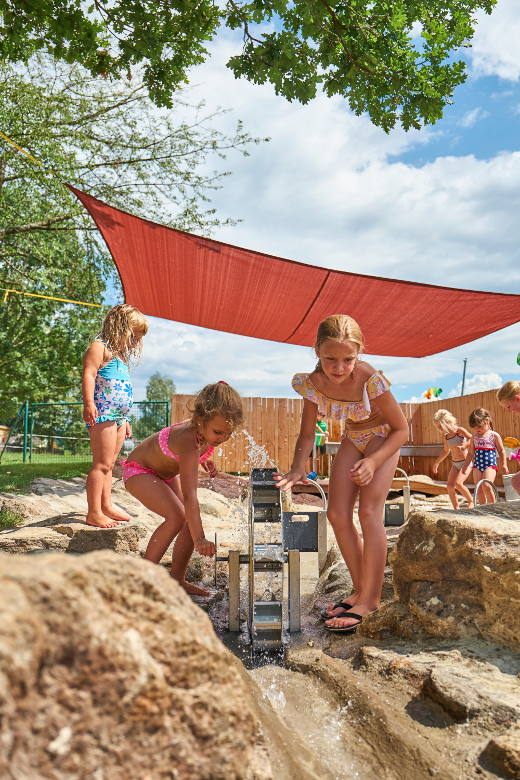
<point>283,443</point>
<point>275,423</point>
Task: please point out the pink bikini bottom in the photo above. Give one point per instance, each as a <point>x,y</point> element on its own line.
<point>130,469</point>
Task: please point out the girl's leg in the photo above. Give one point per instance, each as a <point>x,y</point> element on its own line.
<point>452,476</point>
<point>160,498</point>
<point>340,514</point>
<point>103,438</point>
<point>106,496</point>
<point>477,476</point>
<point>371,507</point>
<point>490,474</point>
<point>183,550</point>
<point>461,487</point>
<point>515,482</point>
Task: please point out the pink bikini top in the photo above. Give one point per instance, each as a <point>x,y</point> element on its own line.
<point>163,444</point>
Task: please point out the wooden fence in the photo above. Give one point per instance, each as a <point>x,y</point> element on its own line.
<point>273,425</point>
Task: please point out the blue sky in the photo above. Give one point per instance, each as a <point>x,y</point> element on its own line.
<point>440,206</point>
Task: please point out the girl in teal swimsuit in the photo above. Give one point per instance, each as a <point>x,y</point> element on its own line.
<point>107,400</point>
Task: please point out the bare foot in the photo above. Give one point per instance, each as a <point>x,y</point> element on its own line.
<point>470,505</point>
<point>115,514</point>
<point>193,590</point>
<point>98,520</point>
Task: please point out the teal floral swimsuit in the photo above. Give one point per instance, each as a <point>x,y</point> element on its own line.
<point>113,392</point>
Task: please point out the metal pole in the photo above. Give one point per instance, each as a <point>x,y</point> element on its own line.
<point>31,439</point>
<point>293,560</point>
<point>25,425</point>
<point>234,590</point>
<point>464,375</point>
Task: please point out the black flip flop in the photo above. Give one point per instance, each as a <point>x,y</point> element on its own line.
<point>346,629</point>
<point>345,607</point>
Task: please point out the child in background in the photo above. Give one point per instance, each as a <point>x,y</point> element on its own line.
<point>321,435</point>
<point>456,443</point>
<point>481,451</point>
<point>162,473</point>
<point>509,397</point>
<point>107,400</point>
<point>343,387</point>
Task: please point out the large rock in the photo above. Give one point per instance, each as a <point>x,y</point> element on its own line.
<point>502,754</point>
<point>466,689</point>
<point>108,671</point>
<point>457,574</point>
<point>53,515</point>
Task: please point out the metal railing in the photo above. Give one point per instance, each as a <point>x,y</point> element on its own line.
<point>55,432</point>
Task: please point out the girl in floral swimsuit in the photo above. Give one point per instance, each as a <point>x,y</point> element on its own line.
<point>344,388</point>
<point>162,473</point>
<point>107,400</point>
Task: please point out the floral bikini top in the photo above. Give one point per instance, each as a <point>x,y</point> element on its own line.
<point>356,411</point>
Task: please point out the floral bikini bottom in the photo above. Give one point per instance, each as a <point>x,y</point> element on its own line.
<point>360,439</point>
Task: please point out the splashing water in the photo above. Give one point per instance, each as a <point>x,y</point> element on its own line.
<point>257,455</point>
<point>275,696</point>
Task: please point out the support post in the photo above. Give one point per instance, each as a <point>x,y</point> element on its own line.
<point>31,438</point>
<point>25,426</point>
<point>464,375</point>
<point>234,590</point>
<point>293,559</point>
<point>406,501</point>
<point>322,540</point>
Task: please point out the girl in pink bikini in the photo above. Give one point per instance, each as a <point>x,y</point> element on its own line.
<point>162,473</point>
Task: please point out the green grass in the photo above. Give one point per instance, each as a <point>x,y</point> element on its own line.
<point>16,477</point>
<point>10,518</point>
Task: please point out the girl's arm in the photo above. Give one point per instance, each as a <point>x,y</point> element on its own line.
<point>469,457</point>
<point>362,472</point>
<point>188,471</point>
<point>444,454</point>
<point>468,436</point>
<point>92,362</point>
<point>304,445</point>
<point>501,453</point>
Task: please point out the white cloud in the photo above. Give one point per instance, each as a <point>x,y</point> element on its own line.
<point>327,190</point>
<point>194,357</point>
<point>472,117</point>
<point>478,384</point>
<point>495,50</point>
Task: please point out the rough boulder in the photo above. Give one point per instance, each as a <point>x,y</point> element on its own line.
<point>108,671</point>
<point>456,574</point>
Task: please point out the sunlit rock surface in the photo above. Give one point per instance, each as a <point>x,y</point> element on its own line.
<point>456,574</point>
<point>108,670</point>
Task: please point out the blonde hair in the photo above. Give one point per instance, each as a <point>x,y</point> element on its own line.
<point>120,324</point>
<point>338,327</point>
<point>215,399</point>
<point>446,421</point>
<point>479,416</point>
<point>508,392</point>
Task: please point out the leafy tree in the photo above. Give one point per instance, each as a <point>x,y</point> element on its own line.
<point>153,414</point>
<point>160,387</point>
<point>361,49</point>
<point>105,138</point>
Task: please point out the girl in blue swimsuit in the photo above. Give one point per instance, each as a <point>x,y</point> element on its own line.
<point>107,400</point>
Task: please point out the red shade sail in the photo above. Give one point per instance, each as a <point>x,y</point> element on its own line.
<point>178,276</point>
